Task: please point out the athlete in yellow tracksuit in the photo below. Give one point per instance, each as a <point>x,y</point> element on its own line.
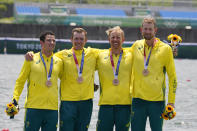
<point>152,87</point>
<point>76,96</point>
<point>111,94</point>
<point>39,96</point>
<point>115,96</point>
<point>71,90</point>
<point>151,60</point>
<point>42,98</point>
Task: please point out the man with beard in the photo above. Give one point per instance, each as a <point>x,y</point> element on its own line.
<point>151,60</point>
<point>77,83</point>
<point>114,69</point>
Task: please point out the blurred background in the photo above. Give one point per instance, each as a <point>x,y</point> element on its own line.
<point>21,21</point>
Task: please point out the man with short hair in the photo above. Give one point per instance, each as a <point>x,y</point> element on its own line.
<point>151,60</point>
<point>77,85</point>
<point>41,75</point>
<point>114,68</point>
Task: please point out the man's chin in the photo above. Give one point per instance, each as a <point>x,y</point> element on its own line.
<point>78,48</point>
<point>51,49</point>
<point>148,38</point>
<point>116,45</point>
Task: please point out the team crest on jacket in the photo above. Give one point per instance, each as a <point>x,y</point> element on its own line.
<point>139,48</point>
<point>37,62</point>
<point>106,57</point>
<point>69,55</point>
<point>56,62</point>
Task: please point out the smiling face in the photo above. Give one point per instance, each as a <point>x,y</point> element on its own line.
<point>116,39</point>
<point>148,28</point>
<point>148,31</point>
<point>48,45</point>
<point>78,40</point>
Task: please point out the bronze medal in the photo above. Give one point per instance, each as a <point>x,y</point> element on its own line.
<point>48,83</point>
<point>145,72</point>
<point>115,82</point>
<point>80,79</point>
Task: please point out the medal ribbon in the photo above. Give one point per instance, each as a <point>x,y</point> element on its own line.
<point>51,66</point>
<point>117,66</point>
<point>146,62</point>
<point>80,70</point>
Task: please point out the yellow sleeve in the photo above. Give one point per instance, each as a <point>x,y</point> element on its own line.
<point>96,53</point>
<point>23,76</point>
<point>97,58</point>
<point>131,50</point>
<point>59,54</point>
<point>170,68</point>
<point>61,69</point>
<point>132,46</point>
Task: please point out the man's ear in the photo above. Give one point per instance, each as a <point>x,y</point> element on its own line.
<point>141,29</point>
<point>123,39</point>
<point>41,43</point>
<point>71,39</point>
<point>86,39</point>
<point>156,30</point>
<point>108,38</point>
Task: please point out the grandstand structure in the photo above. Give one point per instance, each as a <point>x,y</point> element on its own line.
<point>96,16</point>
<point>25,20</point>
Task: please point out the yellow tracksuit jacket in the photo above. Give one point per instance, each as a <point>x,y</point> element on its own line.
<point>111,94</point>
<point>39,96</point>
<point>71,90</point>
<point>152,87</point>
